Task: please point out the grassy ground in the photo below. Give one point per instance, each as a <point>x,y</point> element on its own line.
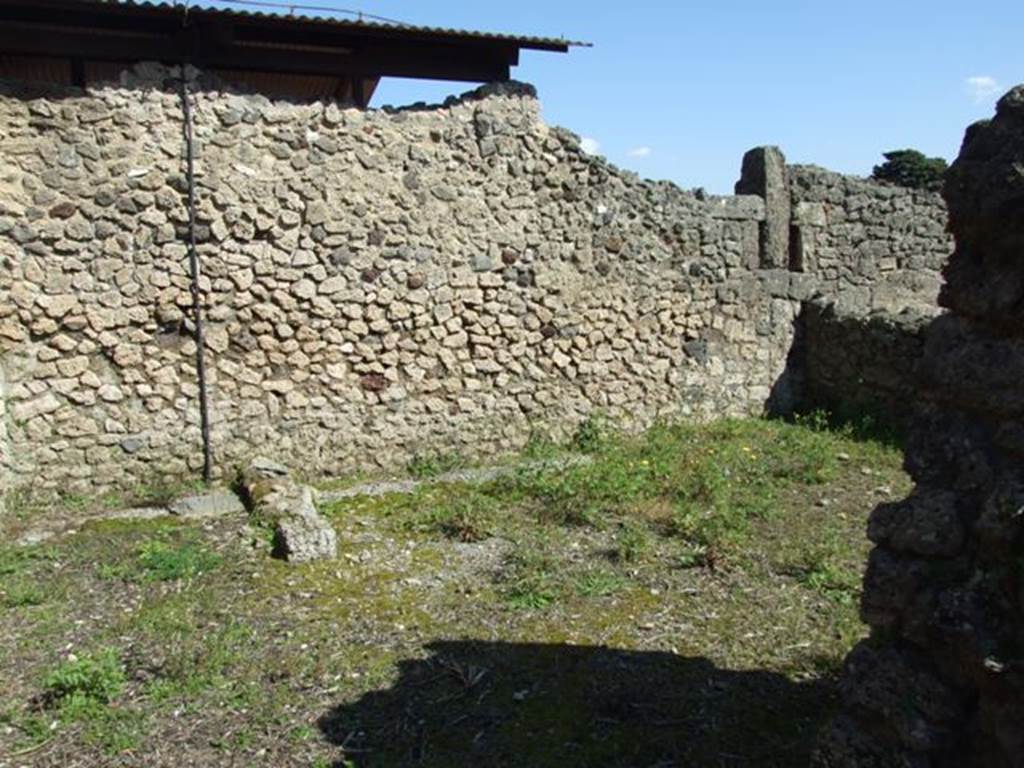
<point>683,599</point>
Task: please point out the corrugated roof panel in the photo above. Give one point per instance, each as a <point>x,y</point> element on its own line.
<point>523,41</point>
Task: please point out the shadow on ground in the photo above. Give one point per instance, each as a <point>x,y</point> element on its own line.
<point>514,704</point>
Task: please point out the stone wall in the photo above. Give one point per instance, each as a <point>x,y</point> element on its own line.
<point>376,284</point>
<point>885,245</point>
<point>859,363</point>
<point>940,683</point>
<point>7,480</point>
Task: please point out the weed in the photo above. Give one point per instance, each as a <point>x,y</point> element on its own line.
<point>861,422</point>
<point>241,740</point>
<point>429,465</point>
<point>162,560</point>
<point>196,663</point>
<point>455,512</point>
<point>632,541</point>
<point>465,518</point>
<point>530,582</point>
<point>12,560</point>
<point>15,559</point>
<point>77,684</point>
<point>832,580</point>
<point>540,445</point>
<point>116,730</point>
<point>35,728</point>
<point>302,733</point>
<point>816,420</point>
<point>569,496</point>
<point>19,593</point>
<point>165,562</point>
<point>591,434</point>
<point>703,484</point>
<point>529,594</point>
<point>695,556</point>
<point>823,570</point>
<point>598,583</point>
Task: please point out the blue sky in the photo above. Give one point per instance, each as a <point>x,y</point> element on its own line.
<point>679,90</point>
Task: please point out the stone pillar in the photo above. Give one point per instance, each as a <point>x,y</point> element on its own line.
<point>940,683</point>
<point>764,173</point>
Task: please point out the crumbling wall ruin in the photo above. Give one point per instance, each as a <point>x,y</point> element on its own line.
<point>941,680</point>
<point>376,283</point>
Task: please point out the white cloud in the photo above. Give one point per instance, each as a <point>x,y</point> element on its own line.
<point>589,145</point>
<point>982,87</point>
<point>640,152</point>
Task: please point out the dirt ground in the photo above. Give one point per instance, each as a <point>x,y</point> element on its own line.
<point>685,598</point>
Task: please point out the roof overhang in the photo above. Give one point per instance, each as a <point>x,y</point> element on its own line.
<point>215,39</point>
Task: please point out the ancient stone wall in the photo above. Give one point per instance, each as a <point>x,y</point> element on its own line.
<point>940,683</point>
<point>883,244</point>
<point>376,284</point>
<point>6,450</point>
<point>858,363</point>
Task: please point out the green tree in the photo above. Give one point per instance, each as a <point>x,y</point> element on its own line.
<point>910,168</point>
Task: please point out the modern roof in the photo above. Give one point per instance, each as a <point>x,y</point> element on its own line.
<point>354,53</point>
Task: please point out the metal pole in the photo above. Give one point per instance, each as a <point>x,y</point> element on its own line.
<point>197,304</point>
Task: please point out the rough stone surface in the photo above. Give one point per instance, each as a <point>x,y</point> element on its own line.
<point>941,681</point>
<point>380,284</point>
<point>213,504</point>
<point>985,192</point>
<point>764,173</point>
<point>301,534</point>
<point>6,450</point>
<point>857,362</point>
<point>881,241</point>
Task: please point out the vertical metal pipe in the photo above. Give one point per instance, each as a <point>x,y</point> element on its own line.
<point>197,303</point>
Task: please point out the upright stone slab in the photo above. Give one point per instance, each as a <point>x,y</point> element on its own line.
<point>764,173</point>
<point>940,683</point>
<point>301,534</point>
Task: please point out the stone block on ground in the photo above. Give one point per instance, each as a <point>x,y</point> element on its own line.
<point>260,478</point>
<point>215,503</point>
<point>301,534</point>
